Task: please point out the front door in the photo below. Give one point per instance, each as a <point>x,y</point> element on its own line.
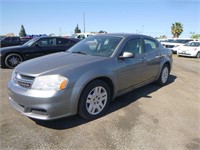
<point>131,70</point>
<point>42,47</point>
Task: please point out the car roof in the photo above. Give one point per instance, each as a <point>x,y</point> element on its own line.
<point>44,37</point>
<point>194,42</point>
<point>51,37</point>
<point>125,35</point>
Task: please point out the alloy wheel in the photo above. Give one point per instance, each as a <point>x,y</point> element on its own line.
<point>96,100</point>
<point>165,74</point>
<point>12,60</point>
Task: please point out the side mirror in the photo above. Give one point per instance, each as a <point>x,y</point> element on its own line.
<point>127,55</point>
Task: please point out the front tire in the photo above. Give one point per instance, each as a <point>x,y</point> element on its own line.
<point>12,60</point>
<point>164,75</point>
<point>198,55</point>
<point>94,99</point>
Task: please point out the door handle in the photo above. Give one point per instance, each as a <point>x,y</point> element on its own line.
<point>157,56</point>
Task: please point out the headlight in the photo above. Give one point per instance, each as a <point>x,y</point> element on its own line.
<point>50,82</point>
<point>14,76</point>
<point>195,49</point>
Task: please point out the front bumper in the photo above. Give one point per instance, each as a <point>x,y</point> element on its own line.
<point>187,53</point>
<point>174,50</point>
<point>44,105</point>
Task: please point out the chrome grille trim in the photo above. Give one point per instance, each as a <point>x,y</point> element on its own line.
<point>22,81</point>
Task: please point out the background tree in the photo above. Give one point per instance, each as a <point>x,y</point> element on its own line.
<point>162,37</point>
<point>77,30</point>
<point>103,32</point>
<point>22,32</point>
<point>195,36</point>
<point>52,34</point>
<point>176,29</point>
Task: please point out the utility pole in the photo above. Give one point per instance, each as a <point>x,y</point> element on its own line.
<point>60,31</point>
<point>142,28</point>
<point>84,22</point>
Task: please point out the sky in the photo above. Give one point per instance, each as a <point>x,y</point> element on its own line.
<point>60,17</point>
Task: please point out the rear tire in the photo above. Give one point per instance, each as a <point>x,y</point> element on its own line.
<point>12,60</point>
<point>164,75</point>
<point>94,100</point>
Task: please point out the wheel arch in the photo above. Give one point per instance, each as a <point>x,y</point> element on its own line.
<point>81,102</point>
<point>168,64</point>
<point>5,55</point>
<point>197,54</point>
<point>164,62</point>
<point>8,53</point>
<point>107,80</point>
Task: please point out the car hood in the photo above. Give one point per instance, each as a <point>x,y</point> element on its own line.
<point>51,64</point>
<point>10,48</point>
<point>185,48</point>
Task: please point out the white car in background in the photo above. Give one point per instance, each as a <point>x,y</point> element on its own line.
<point>190,49</point>
<point>173,43</point>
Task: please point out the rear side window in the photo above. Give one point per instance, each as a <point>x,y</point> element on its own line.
<point>7,39</point>
<point>61,41</point>
<point>15,39</point>
<point>150,45</point>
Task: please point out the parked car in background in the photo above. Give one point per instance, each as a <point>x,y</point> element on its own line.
<point>191,49</point>
<point>175,42</point>
<point>25,39</point>
<point>88,76</point>
<point>10,41</point>
<point>82,35</point>
<point>12,56</point>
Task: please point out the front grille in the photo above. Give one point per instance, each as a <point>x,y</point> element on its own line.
<point>27,77</point>
<point>169,46</point>
<point>24,84</point>
<point>22,81</point>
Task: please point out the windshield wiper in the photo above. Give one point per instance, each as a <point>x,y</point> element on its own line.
<point>79,52</point>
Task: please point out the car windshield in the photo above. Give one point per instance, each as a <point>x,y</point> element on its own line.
<point>30,42</point>
<point>97,46</point>
<point>193,44</point>
<point>181,41</point>
<point>2,37</point>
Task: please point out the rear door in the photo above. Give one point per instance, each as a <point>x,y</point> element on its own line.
<point>15,41</point>
<point>152,57</point>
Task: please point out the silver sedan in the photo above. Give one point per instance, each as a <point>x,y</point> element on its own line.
<point>88,76</point>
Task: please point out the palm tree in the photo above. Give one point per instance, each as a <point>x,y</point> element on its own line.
<point>176,29</point>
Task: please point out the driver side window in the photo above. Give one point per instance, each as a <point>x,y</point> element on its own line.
<point>133,46</point>
<point>45,42</point>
